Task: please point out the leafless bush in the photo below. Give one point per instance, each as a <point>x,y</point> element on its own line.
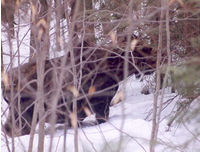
<point>78,52</point>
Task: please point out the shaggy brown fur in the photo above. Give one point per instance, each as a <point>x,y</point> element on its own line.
<point>98,71</point>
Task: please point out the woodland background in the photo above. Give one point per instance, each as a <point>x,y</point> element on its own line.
<point>170,27</point>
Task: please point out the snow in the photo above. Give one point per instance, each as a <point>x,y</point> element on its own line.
<point>136,129</point>
<point>20,46</point>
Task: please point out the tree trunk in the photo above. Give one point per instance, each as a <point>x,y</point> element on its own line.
<point>40,38</point>
<point>35,18</point>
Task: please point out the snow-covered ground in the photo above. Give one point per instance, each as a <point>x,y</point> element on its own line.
<point>136,129</point>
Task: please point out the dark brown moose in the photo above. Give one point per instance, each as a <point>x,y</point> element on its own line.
<point>97,71</point>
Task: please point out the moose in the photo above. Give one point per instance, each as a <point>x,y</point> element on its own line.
<point>98,73</point>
